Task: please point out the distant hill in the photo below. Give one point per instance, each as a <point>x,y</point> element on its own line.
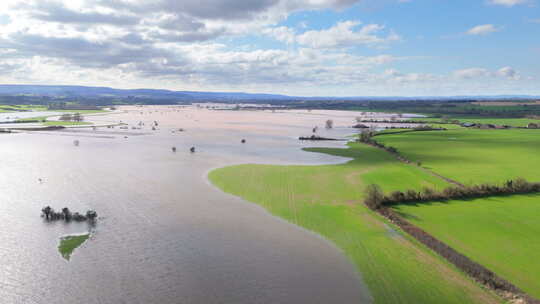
<point>155,95</point>
<point>98,92</point>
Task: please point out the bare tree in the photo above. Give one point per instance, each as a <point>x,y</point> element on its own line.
<point>77,117</point>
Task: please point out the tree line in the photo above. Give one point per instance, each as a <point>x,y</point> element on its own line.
<point>376,198</point>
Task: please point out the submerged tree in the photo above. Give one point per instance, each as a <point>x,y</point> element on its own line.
<point>67,213</point>
<point>77,117</point>
<point>91,215</point>
<point>329,124</point>
<point>66,117</point>
<point>46,211</point>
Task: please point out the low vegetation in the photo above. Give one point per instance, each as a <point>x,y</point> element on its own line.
<point>377,199</point>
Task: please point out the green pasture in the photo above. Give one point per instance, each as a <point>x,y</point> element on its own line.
<point>501,233</point>
<point>514,122</point>
<point>327,200</point>
<point>473,156</point>
<point>66,123</point>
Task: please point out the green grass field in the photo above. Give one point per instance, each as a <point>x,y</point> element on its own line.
<point>41,108</point>
<point>501,233</point>
<point>69,243</point>
<point>14,108</point>
<point>40,118</point>
<point>515,122</point>
<point>66,123</point>
<point>473,156</point>
<point>327,199</point>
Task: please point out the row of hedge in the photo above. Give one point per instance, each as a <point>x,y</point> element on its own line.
<point>516,186</point>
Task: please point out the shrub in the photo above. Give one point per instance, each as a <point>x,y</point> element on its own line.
<point>519,185</point>
<point>374,197</point>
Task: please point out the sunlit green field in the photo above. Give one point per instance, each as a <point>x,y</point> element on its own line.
<point>327,199</point>
<point>501,233</point>
<point>473,156</point>
<point>13,108</point>
<point>515,122</point>
<point>66,123</point>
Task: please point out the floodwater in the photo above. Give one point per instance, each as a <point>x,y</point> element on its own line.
<point>13,116</point>
<point>165,234</point>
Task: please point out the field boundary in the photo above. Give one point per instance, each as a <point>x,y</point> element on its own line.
<point>478,272</point>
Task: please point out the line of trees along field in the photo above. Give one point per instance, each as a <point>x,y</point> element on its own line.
<point>376,199</point>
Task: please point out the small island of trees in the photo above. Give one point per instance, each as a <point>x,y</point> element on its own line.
<point>66,215</point>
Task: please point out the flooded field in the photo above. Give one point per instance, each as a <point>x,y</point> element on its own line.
<point>164,234</point>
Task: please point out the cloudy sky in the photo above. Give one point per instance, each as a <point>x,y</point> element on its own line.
<point>296,47</point>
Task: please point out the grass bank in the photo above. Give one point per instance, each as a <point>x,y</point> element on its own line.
<point>500,233</point>
<point>69,243</point>
<point>327,200</point>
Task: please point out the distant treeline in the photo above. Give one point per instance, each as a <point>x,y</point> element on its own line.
<point>434,107</point>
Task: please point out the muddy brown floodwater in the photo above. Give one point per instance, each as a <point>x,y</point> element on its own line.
<point>165,234</point>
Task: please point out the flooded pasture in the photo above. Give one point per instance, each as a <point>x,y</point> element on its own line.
<point>164,234</point>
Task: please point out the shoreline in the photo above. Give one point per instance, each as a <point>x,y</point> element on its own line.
<point>350,253</point>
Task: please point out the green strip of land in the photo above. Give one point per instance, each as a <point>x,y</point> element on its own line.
<point>66,123</point>
<point>69,243</point>
<point>514,122</point>
<point>327,199</point>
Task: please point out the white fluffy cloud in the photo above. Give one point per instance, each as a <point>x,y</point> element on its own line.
<point>507,2</point>
<point>347,34</point>
<point>342,35</point>
<point>483,29</point>
<point>474,73</point>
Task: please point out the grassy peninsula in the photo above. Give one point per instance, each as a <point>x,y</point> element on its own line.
<point>327,200</point>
